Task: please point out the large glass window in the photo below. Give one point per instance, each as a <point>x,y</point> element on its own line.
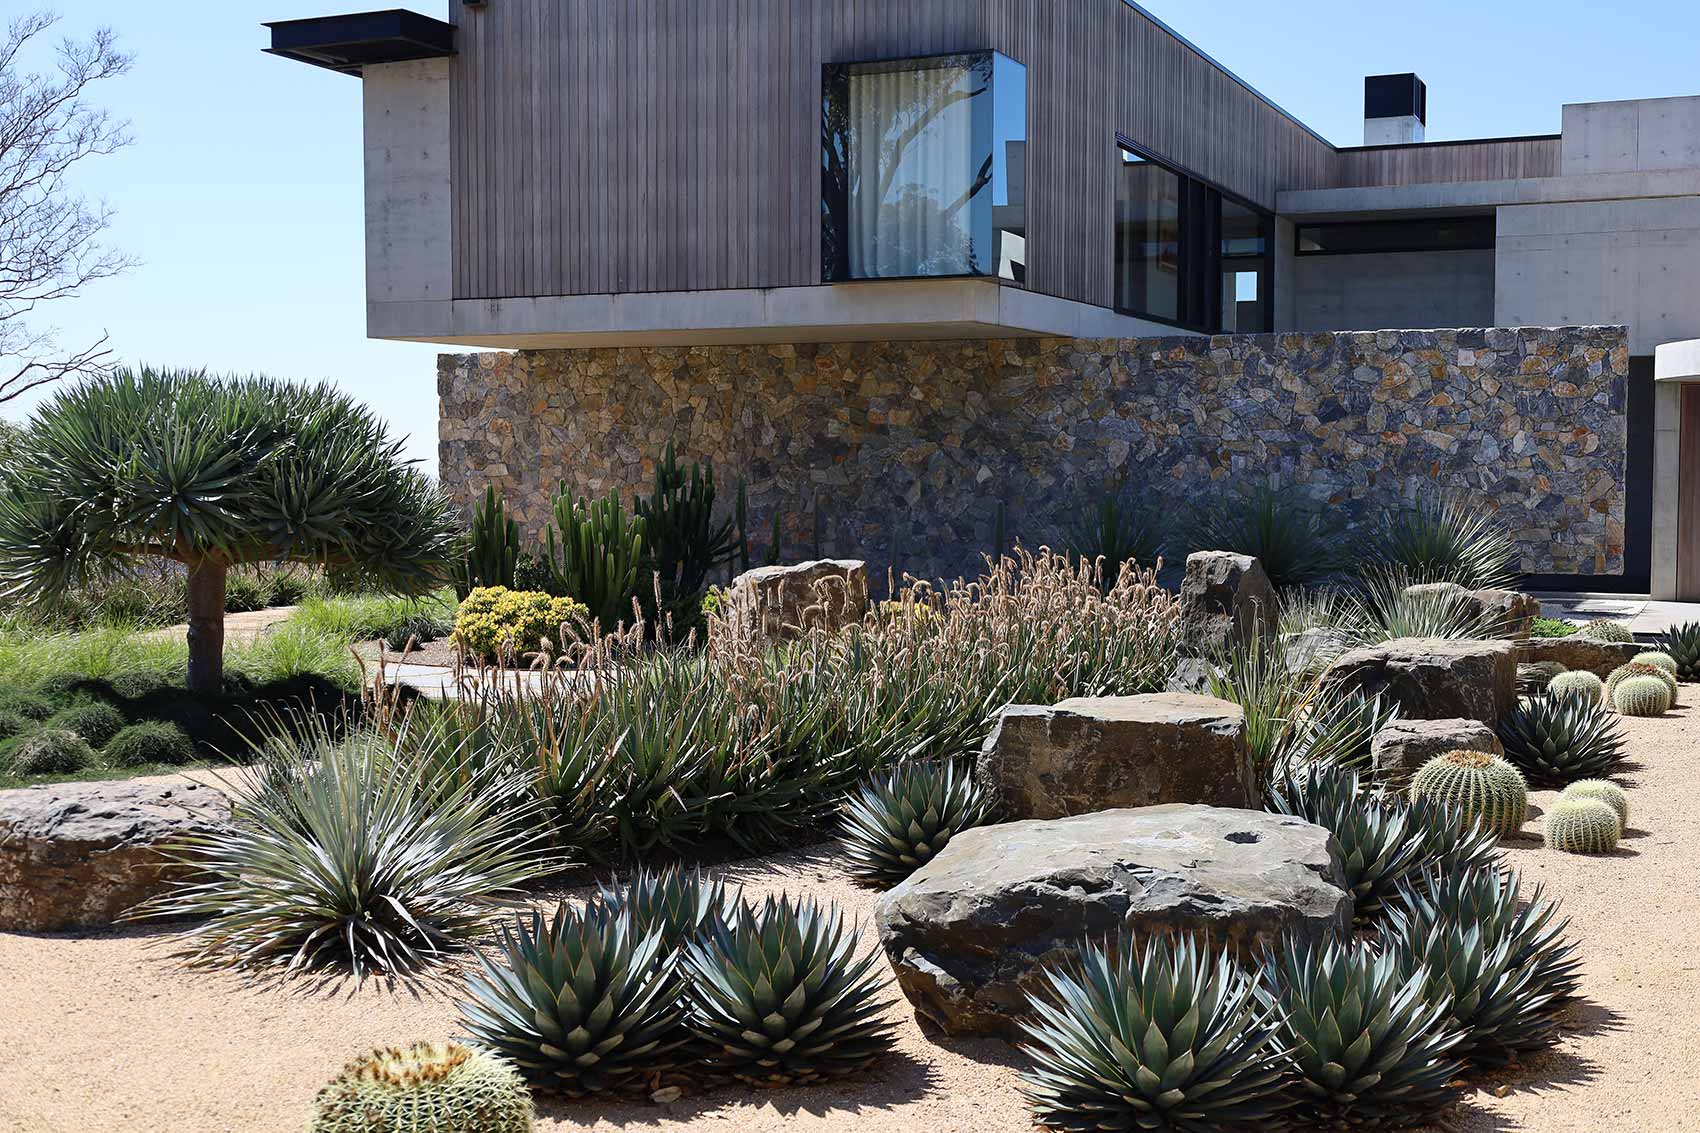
<point>924,168</point>
<point>1185,254</point>
<point>1448,234</point>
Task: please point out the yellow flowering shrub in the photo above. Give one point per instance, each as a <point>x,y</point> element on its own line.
<point>494,621</point>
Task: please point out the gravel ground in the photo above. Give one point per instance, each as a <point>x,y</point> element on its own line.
<point>109,1034</point>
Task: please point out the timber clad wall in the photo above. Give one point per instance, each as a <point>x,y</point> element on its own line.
<point>1498,160</point>
<point>686,156</point>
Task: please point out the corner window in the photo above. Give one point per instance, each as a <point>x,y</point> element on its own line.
<point>1187,254</point>
<point>924,168</point>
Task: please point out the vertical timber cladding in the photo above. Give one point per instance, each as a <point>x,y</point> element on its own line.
<point>606,146</point>
<point>902,452</point>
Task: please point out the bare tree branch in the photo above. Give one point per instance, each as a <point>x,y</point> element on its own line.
<point>50,244</point>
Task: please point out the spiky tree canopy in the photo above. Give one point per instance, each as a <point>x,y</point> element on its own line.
<point>191,467</point>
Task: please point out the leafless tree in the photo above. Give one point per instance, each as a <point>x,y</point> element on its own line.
<point>50,245</point>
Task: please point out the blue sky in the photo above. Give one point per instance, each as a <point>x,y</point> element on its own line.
<point>242,194</point>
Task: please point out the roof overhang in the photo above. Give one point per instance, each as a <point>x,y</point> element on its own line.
<point>349,43</point>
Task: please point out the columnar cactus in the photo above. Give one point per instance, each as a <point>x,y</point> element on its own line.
<point>425,1088</point>
<point>1483,785</point>
<point>1655,657</point>
<point>1578,682</point>
<point>1641,696</point>
<point>1605,791</point>
<point>1582,826</point>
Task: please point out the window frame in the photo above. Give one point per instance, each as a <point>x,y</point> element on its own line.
<point>1488,220</point>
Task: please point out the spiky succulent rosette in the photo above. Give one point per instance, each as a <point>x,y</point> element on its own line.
<point>1682,644</point>
<point>1369,1046</point>
<point>580,1003</point>
<point>1376,844</point>
<point>780,997</point>
<point>677,904</point>
<point>897,821</point>
<point>424,1088</point>
<point>1557,739</point>
<point>1451,840</point>
<point>1506,972</point>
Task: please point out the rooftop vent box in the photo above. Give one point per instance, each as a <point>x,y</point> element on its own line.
<point>1395,109</point>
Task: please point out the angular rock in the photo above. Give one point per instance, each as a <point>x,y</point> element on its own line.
<point>1405,745</point>
<point>1577,652</point>
<point>1433,678</point>
<point>970,932</point>
<point>778,603</point>
<point>1226,599</point>
<point>1510,614</point>
<point>77,855</point>
<point>1095,753</point>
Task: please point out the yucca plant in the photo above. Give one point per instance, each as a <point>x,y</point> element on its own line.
<point>1298,542</point>
<point>1291,721</point>
<point>1505,975</point>
<point>1376,845</point>
<point>344,856</point>
<point>780,997</point>
<point>898,820</point>
<point>678,905</point>
<point>1369,1046</point>
<point>1556,739</point>
<point>1113,526</point>
<point>212,473</point>
<point>1444,539</point>
<point>1682,644</point>
<point>582,1003</point>
<point>1160,1035</point>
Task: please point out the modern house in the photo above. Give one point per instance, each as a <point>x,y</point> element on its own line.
<point>907,267</point>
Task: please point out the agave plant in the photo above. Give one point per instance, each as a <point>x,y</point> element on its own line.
<point>780,996</point>
<point>1376,844</point>
<point>342,855</point>
<point>1445,540</point>
<point>1506,978</point>
<point>1369,1046</point>
<point>1557,739</point>
<point>678,905</point>
<point>898,821</point>
<point>1682,644</point>
<point>1451,840</point>
<point>1161,1036</point>
<point>582,1003</point>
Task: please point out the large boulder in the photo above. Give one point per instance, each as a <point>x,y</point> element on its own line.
<point>1510,614</point>
<point>1405,745</point>
<point>1095,753</point>
<point>1578,652</point>
<point>1432,678</point>
<point>971,932</point>
<point>1226,599</point>
<point>77,855</point>
<point>778,603</point>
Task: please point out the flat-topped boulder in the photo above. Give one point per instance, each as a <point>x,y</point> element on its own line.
<point>970,933</point>
<point>1579,653</point>
<point>1098,753</point>
<point>1432,678</point>
<point>778,603</point>
<point>1226,599</point>
<point>78,855</point>
<point>1404,745</point>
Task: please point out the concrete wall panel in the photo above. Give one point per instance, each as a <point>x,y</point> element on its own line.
<point>409,230</point>
<point>1393,290</point>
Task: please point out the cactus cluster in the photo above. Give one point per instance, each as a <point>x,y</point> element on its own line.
<point>424,1088</point>
<point>1641,696</point>
<point>1580,683</point>
<point>1639,669</point>
<point>1484,786</point>
<point>1655,657</point>
<point>1604,629</point>
<point>1582,826</point>
<point>1606,792</point>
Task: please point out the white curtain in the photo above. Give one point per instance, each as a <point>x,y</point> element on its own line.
<point>913,168</point>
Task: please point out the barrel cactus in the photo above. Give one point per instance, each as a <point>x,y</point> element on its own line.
<point>1606,792</point>
<point>1161,1035</point>
<point>425,1088</point>
<point>1604,629</point>
<point>1655,657</point>
<point>1558,739</point>
<point>1583,826</point>
<point>1483,785</point>
<point>898,820</point>
<point>1639,669</point>
<point>1580,683</point>
<point>1682,644</point>
<point>1642,696</point>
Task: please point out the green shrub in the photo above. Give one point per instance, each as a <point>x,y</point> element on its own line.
<point>1582,826</point>
<point>1552,627</point>
<point>1484,786</point>
<point>133,684</point>
<point>52,751</point>
<point>12,724</point>
<point>244,592</point>
<point>29,706</point>
<point>424,1088</point>
<point>1297,542</point>
<point>95,723</point>
<point>1437,539</point>
<point>508,624</point>
<point>150,742</point>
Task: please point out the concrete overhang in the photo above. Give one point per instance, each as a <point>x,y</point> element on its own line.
<point>894,310</point>
<point>1461,198</point>
<point>1677,361</point>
